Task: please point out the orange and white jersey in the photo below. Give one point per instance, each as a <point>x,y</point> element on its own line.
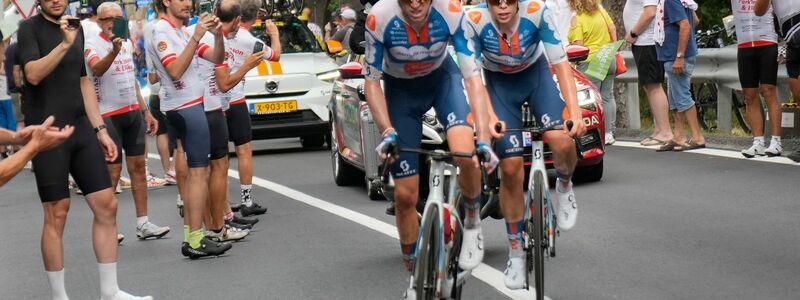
<point>169,41</point>
<point>238,48</point>
<point>116,89</point>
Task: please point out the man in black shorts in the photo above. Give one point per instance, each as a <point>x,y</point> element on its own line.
<point>123,109</point>
<point>639,17</point>
<point>788,13</point>
<point>50,52</point>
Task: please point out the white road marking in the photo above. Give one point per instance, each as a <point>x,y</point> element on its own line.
<point>718,153</point>
<point>483,272</point>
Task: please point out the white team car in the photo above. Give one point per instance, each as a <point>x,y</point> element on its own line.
<point>289,98</point>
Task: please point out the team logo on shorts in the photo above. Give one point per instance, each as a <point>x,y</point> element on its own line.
<point>546,120</point>
<point>451,118</point>
<point>162,46</point>
<point>404,166</point>
<point>514,141</point>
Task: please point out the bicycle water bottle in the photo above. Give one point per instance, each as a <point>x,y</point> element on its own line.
<point>451,225</point>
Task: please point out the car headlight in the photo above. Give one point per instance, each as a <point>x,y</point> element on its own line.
<point>329,76</point>
<point>586,99</point>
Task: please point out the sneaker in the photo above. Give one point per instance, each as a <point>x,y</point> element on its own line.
<point>756,149</point>
<point>227,234</point>
<point>774,149</point>
<point>390,208</point>
<point>515,273</point>
<point>123,295</point>
<point>235,207</point>
<point>610,140</point>
<point>472,249</point>
<point>119,188</point>
<point>170,178</point>
<point>179,203</point>
<point>795,156</point>
<point>120,238</point>
<point>153,182</point>
<point>207,248</point>
<point>255,209</point>
<point>124,182</point>
<point>243,220</point>
<point>149,230</point>
<point>567,208</point>
<point>239,226</point>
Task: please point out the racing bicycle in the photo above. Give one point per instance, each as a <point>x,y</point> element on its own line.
<point>435,274</point>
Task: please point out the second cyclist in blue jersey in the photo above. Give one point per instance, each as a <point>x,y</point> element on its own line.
<point>406,48</point>
<point>507,36</point>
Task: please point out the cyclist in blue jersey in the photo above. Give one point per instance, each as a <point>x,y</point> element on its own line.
<point>407,49</point>
<point>507,35</point>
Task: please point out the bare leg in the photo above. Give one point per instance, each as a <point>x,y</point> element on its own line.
<point>136,170</point>
<point>691,116</point>
<point>244,157</point>
<point>217,192</point>
<point>162,145</point>
<point>55,217</point>
<point>104,226</point>
<point>660,110</point>
<point>196,198</point>
<point>511,190</point>
<point>753,107</point>
<point>679,134</point>
<point>770,93</point>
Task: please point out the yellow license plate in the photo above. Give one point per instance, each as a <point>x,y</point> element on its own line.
<point>274,107</point>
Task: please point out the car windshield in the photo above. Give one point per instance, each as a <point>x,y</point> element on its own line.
<point>295,37</point>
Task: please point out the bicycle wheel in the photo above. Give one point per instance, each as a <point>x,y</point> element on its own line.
<point>705,96</point>
<point>427,255</point>
<point>539,234</point>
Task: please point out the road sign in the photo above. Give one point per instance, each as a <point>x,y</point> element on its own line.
<point>26,8</point>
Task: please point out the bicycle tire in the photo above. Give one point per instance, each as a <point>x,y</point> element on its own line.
<point>427,252</point>
<point>539,234</point>
<point>740,111</point>
<point>705,96</point>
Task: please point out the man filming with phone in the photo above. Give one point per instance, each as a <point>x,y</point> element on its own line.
<point>109,55</point>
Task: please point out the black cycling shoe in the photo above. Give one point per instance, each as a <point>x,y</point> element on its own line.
<point>238,225</point>
<point>236,207</point>
<point>207,248</point>
<point>252,210</point>
<point>243,220</point>
<point>390,208</point>
<point>184,249</point>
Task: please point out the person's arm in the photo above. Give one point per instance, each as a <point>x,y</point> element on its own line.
<point>612,29</point>
<point>175,67</point>
<point>17,76</point>
<point>645,19</point>
<point>149,120</point>
<point>575,34</point>
<point>373,73</point>
<point>762,6</point>
<point>217,53</point>
<point>36,70</point>
<point>227,80</point>
<point>275,41</point>
<point>93,114</point>
<point>98,65</point>
<point>37,138</point>
<point>11,166</point>
<point>696,19</point>
<point>683,41</point>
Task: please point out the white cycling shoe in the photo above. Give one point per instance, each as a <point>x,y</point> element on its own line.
<point>125,296</point>
<point>411,293</point>
<point>472,249</point>
<point>515,273</point>
<point>567,208</point>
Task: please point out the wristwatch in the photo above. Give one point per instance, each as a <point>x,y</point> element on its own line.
<point>98,128</point>
<point>679,55</point>
<point>633,34</point>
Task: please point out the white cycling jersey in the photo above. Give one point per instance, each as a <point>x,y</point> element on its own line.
<point>239,47</point>
<point>213,98</point>
<point>752,30</point>
<point>169,41</point>
<point>151,55</point>
<point>512,54</point>
<point>788,12</point>
<point>116,88</point>
<point>394,47</point>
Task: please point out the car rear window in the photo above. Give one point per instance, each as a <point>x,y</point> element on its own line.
<point>295,37</point>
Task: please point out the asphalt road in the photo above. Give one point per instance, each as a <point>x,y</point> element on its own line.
<point>659,226</point>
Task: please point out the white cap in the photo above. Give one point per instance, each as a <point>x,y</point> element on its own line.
<point>349,14</point>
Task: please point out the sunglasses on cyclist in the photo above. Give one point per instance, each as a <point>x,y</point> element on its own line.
<point>498,2</point>
<point>408,2</point>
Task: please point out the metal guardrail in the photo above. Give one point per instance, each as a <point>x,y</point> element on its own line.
<point>717,65</point>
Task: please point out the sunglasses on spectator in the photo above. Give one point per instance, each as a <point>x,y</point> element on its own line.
<point>408,2</point>
<point>109,18</point>
<point>498,2</point>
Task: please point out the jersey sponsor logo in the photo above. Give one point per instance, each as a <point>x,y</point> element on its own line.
<point>533,7</point>
<point>162,46</point>
<point>475,16</point>
<point>371,23</point>
<point>454,6</point>
<point>413,68</point>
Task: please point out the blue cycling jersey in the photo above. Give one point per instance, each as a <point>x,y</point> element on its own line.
<point>512,54</point>
<point>397,49</point>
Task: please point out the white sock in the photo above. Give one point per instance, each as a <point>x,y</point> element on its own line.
<point>246,190</point>
<point>108,281</point>
<point>759,139</point>
<point>57,285</point>
<point>141,220</point>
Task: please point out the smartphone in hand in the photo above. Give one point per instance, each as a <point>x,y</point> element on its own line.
<point>205,7</point>
<point>120,28</point>
<point>258,47</point>
<point>73,23</point>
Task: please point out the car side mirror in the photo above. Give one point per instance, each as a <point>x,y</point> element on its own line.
<point>577,53</point>
<point>334,46</point>
<point>351,70</point>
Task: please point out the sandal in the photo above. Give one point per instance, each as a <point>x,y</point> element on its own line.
<point>689,146</point>
<point>653,142</point>
<point>669,146</point>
